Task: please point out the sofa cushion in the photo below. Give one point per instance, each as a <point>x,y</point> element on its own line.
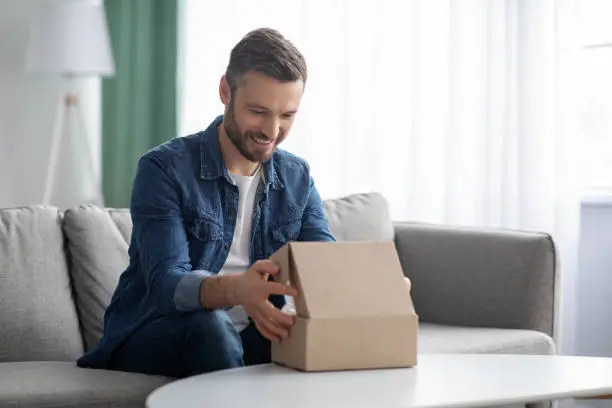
<point>360,217</point>
<point>38,318</point>
<point>62,384</point>
<point>434,338</point>
<point>98,250</point>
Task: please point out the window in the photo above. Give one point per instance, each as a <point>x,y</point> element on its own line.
<point>596,77</point>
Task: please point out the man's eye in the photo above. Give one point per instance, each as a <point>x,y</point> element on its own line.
<point>258,112</point>
<point>287,115</point>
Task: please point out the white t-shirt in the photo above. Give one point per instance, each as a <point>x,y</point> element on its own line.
<point>238,259</point>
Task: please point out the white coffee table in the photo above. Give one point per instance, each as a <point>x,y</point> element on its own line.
<point>439,380</point>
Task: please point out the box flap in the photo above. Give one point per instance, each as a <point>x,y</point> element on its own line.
<point>287,275</point>
<point>343,279</point>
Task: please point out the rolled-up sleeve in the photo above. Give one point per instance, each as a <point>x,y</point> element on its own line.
<point>161,239</point>
<point>187,293</point>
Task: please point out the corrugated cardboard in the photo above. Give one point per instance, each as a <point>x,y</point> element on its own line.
<point>354,310</point>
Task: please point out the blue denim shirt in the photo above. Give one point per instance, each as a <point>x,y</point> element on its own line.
<point>184,207</point>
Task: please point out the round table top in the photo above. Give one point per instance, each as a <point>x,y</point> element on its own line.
<point>449,380</point>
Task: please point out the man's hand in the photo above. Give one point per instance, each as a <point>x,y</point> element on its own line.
<point>408,282</point>
<point>253,291</point>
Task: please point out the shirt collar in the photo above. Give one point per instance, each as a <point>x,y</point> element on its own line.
<point>212,165</point>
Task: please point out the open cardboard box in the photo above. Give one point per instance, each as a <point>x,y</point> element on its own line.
<point>354,310</point>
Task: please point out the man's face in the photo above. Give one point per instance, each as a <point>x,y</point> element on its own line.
<point>260,113</point>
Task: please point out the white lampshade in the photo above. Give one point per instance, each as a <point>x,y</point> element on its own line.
<point>70,37</point>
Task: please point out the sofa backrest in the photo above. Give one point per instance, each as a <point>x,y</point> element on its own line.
<point>43,302</point>
<point>38,318</point>
<point>360,217</point>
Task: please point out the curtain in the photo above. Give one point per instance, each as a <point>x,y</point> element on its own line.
<point>459,112</point>
<point>139,102</point>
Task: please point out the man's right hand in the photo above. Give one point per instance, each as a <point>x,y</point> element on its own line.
<point>253,291</point>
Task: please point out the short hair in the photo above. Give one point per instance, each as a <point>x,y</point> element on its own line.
<point>267,51</point>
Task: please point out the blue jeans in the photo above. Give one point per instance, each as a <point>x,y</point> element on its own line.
<point>188,344</point>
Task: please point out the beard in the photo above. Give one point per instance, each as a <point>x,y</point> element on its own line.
<point>240,138</point>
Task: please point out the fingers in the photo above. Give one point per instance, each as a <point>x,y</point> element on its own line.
<point>272,323</point>
<point>275,288</point>
<point>266,267</point>
<point>269,329</point>
<point>265,332</point>
<point>282,319</point>
<point>279,333</point>
<point>408,282</point>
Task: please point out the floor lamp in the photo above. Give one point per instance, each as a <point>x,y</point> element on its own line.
<point>69,39</point>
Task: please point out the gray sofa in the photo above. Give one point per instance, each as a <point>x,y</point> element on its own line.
<point>475,290</point>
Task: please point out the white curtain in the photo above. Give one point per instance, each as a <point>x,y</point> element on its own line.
<point>459,112</point>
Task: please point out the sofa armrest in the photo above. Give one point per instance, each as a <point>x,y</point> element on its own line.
<point>480,277</point>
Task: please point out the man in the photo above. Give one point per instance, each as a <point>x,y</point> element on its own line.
<point>207,211</point>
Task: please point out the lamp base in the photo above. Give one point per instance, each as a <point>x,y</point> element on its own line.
<point>68,108</point>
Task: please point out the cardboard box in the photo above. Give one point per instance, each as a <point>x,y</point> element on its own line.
<point>354,310</point>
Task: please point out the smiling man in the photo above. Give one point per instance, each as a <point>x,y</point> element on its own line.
<point>208,210</point>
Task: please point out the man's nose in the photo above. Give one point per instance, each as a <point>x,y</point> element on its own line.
<point>271,128</point>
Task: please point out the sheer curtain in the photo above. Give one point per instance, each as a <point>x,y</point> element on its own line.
<point>459,112</point>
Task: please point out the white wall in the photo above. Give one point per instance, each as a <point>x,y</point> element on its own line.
<point>27,109</point>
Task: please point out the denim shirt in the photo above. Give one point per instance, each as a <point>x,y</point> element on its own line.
<point>183,207</point>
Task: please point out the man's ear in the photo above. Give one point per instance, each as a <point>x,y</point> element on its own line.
<point>225,93</point>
